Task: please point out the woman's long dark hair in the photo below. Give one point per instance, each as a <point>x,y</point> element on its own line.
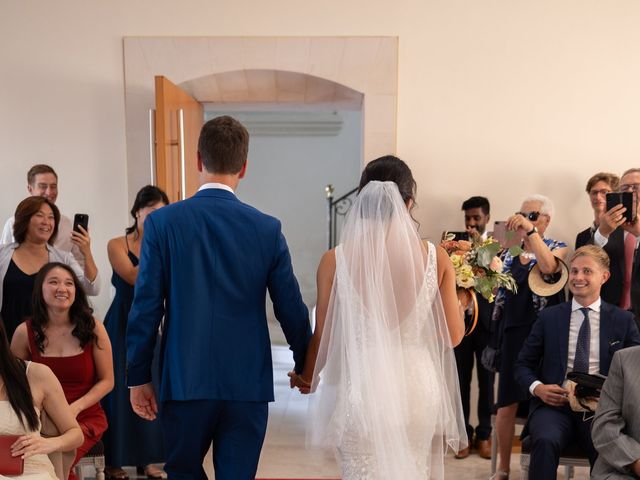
<point>80,313</point>
<point>13,372</point>
<point>147,196</point>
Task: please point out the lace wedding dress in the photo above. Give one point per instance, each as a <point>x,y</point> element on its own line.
<point>386,391</point>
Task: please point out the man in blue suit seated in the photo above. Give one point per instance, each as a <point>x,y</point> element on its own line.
<point>206,264</point>
<point>581,335</point>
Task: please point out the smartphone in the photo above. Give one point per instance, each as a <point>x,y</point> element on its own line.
<point>506,238</point>
<point>459,235</point>
<point>80,219</point>
<point>626,200</point>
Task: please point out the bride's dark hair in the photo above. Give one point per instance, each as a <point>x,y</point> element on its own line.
<point>13,372</point>
<point>391,169</point>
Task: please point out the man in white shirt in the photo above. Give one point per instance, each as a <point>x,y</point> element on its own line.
<point>42,180</point>
<point>582,336</point>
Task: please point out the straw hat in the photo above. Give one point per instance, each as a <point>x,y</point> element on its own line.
<point>539,286</point>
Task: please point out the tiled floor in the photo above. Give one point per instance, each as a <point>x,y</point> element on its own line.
<point>284,454</point>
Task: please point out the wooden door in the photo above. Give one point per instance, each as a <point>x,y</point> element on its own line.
<point>179,118</point>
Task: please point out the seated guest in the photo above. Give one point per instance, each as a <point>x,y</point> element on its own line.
<point>597,187</point>
<point>35,229</point>
<point>579,336</point>
<point>63,335</point>
<point>616,426</point>
<point>26,390</point>
<point>42,181</point>
<point>516,312</point>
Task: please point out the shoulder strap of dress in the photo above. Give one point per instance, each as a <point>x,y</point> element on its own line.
<point>35,353</point>
<point>126,241</point>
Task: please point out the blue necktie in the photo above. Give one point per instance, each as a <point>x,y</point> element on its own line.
<point>581,360</point>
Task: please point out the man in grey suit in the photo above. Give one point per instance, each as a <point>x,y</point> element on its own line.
<point>616,427</point>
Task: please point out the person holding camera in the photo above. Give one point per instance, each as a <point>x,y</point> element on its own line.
<point>515,313</point>
<point>577,336</point>
<point>598,187</point>
<point>609,232</point>
<point>35,229</point>
<point>476,217</point>
<point>42,181</point>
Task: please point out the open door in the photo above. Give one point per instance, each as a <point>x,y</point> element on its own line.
<point>179,118</point>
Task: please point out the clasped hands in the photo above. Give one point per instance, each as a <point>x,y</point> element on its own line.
<point>296,381</point>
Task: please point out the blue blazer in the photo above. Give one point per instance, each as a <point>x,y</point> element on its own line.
<point>545,352</point>
<point>206,264</point>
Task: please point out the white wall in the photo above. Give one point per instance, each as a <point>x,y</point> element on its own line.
<point>286,177</point>
<point>501,97</point>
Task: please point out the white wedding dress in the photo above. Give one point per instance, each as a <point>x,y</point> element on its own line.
<point>386,391</point>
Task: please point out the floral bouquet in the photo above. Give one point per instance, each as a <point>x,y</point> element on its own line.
<point>478,266</point>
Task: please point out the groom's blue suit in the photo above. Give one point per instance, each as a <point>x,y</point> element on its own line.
<point>206,264</point>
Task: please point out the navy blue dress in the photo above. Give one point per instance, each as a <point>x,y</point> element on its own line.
<point>130,440</point>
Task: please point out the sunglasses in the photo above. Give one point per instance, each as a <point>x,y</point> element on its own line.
<point>533,216</point>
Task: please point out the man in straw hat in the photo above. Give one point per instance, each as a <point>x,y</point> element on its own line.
<point>576,336</point>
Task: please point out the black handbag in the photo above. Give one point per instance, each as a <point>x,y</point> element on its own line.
<point>490,358</point>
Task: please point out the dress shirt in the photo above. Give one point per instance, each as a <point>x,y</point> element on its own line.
<point>577,317</point>
<point>600,240</point>
<point>221,186</point>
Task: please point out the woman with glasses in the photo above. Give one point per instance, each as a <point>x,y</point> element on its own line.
<point>515,313</point>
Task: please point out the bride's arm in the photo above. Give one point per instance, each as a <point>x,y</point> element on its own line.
<point>452,308</point>
<point>324,279</point>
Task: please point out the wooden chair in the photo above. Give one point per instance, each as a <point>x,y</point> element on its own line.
<point>95,458</point>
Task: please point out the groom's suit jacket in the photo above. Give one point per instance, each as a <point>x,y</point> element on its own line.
<point>544,354</point>
<point>616,426</point>
<point>206,264</point>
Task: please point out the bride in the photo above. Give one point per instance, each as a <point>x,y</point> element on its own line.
<point>381,359</point>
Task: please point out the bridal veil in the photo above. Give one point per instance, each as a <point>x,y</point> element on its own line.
<point>386,386</point>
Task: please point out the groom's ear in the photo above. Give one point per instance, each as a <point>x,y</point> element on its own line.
<point>243,171</point>
<point>199,161</point>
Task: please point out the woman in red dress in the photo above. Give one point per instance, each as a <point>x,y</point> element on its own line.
<point>63,335</point>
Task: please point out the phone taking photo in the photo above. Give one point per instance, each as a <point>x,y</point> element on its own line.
<point>626,200</point>
<point>80,219</point>
<point>506,238</point>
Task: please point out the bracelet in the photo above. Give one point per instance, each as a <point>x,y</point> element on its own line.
<point>532,231</point>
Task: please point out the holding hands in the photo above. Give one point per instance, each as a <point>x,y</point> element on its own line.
<point>296,381</point>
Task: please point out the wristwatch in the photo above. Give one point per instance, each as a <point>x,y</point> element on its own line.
<point>532,231</point>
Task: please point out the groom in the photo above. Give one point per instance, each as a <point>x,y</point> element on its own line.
<point>206,264</point>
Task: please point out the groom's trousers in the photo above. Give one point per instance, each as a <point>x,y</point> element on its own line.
<point>236,430</point>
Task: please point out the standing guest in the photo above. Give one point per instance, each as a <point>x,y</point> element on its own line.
<point>577,336</point>
<point>63,335</point>
<point>42,181</point>
<point>381,359</point>
<point>210,260</point>
<point>516,312</point>
<point>28,389</point>
<point>476,217</point>
<point>35,229</point>
<point>597,187</point>
<point>129,440</point>
<point>616,426</point>
<point>613,221</point>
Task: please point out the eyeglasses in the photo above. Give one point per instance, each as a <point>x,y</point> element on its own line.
<point>533,216</point>
<point>595,193</point>
<point>630,187</point>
